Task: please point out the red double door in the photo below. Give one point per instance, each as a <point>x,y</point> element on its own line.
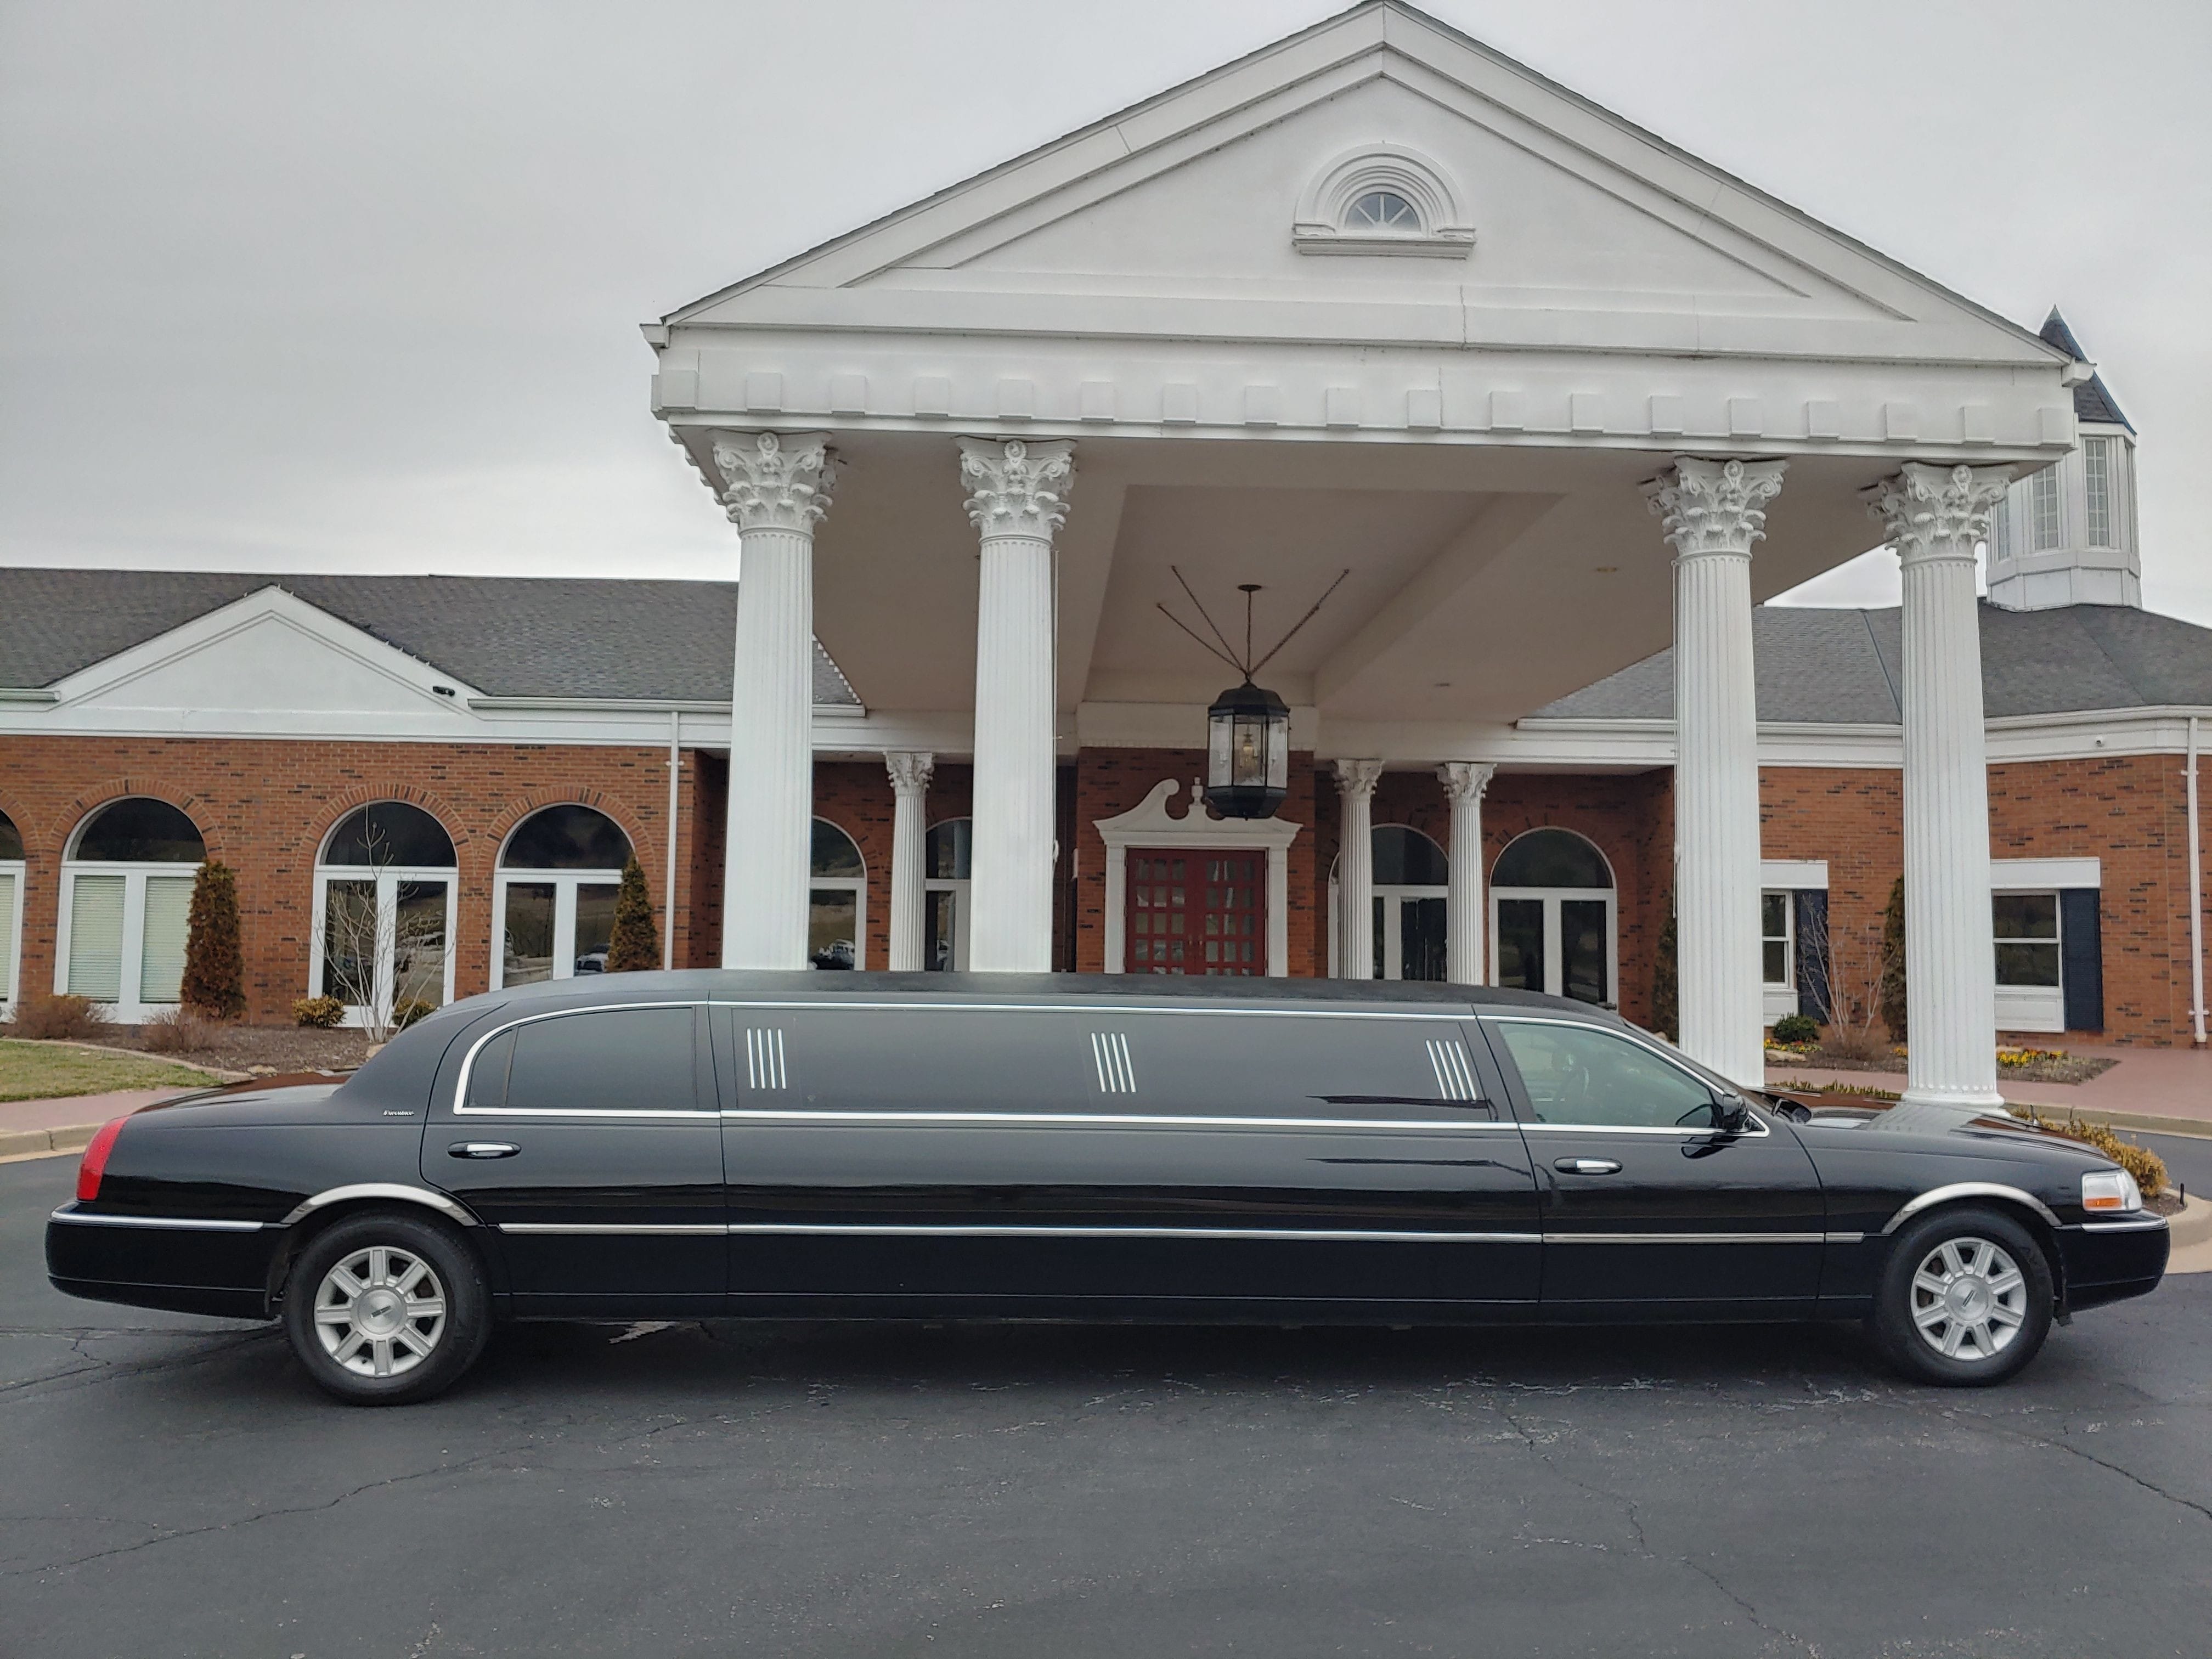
<point>1195,913</point>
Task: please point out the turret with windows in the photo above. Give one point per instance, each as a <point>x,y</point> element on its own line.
<point>2067,535</point>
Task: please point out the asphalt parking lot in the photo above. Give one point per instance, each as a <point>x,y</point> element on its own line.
<point>172,1485</point>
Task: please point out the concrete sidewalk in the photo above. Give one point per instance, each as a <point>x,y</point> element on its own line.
<point>33,1129</point>
<point>2168,1088</point>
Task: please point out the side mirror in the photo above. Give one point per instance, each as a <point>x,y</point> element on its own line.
<point>1731,1114</point>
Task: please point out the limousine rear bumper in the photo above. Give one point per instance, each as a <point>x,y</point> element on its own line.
<point>173,1263</point>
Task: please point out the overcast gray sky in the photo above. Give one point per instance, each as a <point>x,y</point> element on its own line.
<point>355,286</point>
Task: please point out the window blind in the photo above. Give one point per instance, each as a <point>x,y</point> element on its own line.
<point>168,912</point>
<point>8,937</point>
<point>95,953</point>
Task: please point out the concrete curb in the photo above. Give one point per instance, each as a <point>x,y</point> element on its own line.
<point>37,1143</point>
<point>2200,1127</point>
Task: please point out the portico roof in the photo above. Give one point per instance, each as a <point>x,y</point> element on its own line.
<point>1262,387</point>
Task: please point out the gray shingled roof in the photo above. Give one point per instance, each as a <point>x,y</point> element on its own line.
<point>2092,401</point>
<point>509,636</point>
<point>1828,667</point>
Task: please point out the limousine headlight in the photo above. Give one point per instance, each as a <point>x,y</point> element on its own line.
<point>2110,1192</point>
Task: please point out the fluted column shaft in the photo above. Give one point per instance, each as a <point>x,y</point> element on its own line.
<point>1934,516</point>
<point>1714,512</point>
<point>909,773</point>
<point>1355,869</point>
<point>1465,951</point>
<point>776,489</point>
<point>1018,499</point>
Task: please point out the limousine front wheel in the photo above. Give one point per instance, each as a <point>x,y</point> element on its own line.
<point>384,1308</point>
<point>1966,1300</point>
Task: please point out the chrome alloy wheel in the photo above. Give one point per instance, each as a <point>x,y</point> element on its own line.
<point>1969,1300</point>
<point>380,1311</point>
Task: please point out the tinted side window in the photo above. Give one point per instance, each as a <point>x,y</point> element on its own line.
<point>952,1058</point>
<point>615,1059</point>
<point>1575,1075</point>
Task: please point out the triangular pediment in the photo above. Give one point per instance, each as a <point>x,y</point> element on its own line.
<point>1210,211</point>
<point>270,653</point>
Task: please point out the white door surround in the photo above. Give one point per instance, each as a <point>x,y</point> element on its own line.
<point>1149,823</point>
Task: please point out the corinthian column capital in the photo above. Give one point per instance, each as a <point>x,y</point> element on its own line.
<point>1018,488</point>
<point>1930,512</point>
<point>910,770</point>
<point>772,482</point>
<point>1356,779</point>
<point>1466,781</point>
<point>1715,507</point>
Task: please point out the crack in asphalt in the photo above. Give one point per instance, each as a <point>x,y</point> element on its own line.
<point>2086,1456</point>
<point>100,1370</point>
<point>1749,1611</point>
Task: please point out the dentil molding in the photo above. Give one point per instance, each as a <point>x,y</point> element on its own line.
<point>776,482</point>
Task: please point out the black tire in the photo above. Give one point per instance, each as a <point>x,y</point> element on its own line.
<point>371,1345</point>
<point>1992,1319</point>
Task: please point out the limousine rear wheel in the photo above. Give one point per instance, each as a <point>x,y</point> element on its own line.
<point>385,1308</point>
<point>1966,1300</point>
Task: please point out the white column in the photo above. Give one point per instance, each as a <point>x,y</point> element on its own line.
<point>909,794</point>
<point>776,487</point>
<point>1934,515</point>
<point>1465,942</point>
<point>1355,869</point>
<point>1018,499</point>
<point>1714,511</point>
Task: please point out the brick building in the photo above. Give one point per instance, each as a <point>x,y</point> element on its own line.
<point>1375,318</point>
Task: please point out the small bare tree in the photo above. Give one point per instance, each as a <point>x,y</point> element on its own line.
<point>1854,957</point>
<point>360,935</point>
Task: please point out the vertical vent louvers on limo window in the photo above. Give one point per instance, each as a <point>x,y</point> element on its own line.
<point>1109,1053</point>
<point>764,1066</point>
<point>1454,1076</point>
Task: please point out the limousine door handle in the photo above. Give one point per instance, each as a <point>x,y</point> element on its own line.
<point>482,1149</point>
<point>1585,1166</point>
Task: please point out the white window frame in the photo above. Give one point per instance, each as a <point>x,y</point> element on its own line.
<point>11,942</point>
<point>564,883</point>
<point>856,885</point>
<point>958,887</point>
<point>2097,480</point>
<point>2031,1007</point>
<point>2044,491</point>
<point>127,1009</point>
<point>387,878</point>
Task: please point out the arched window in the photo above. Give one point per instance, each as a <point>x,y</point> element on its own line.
<point>555,894</point>
<point>836,900</point>
<point>1554,925</point>
<point>11,909</point>
<point>384,914</point>
<point>945,888</point>
<point>126,900</point>
<point>1383,210</point>
<point>1411,880</point>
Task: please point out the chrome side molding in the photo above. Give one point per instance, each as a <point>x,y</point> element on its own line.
<point>1969,1189</point>
<point>174,1222</point>
<point>444,1206</point>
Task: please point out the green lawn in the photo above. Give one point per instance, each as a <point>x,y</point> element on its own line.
<point>40,1070</point>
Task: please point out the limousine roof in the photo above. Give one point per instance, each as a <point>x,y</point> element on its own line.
<point>810,985</point>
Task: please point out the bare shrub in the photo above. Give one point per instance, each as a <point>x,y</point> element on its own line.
<point>57,1019</point>
<point>1855,1035</point>
<point>180,1030</point>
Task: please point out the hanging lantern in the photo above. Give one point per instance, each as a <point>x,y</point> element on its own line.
<point>1247,752</point>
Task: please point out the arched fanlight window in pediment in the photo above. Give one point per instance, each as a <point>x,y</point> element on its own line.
<point>1384,199</point>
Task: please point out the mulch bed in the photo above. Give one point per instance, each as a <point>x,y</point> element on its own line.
<point>2073,1069</point>
<point>259,1047</point>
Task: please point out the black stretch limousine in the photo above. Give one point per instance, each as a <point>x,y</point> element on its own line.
<point>695,1144</point>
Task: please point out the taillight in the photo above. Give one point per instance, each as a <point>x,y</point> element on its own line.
<point>96,1160</point>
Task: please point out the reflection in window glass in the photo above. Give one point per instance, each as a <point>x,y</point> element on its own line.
<point>528,934</point>
<point>832,921</point>
<point>1584,956</point>
<point>1421,938</point>
<point>418,944</point>
<point>2027,929</point>
<point>834,853</point>
<point>1521,943</point>
<point>949,846</point>
<point>1576,1075</point>
<point>11,839</point>
<point>139,830</point>
<point>1550,858</point>
<point>595,925</point>
<point>942,908</point>
<point>349,941</point>
<point>389,833</point>
<point>1774,937</point>
<point>1406,858</point>
<point>567,838</point>
<point>631,1058</point>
